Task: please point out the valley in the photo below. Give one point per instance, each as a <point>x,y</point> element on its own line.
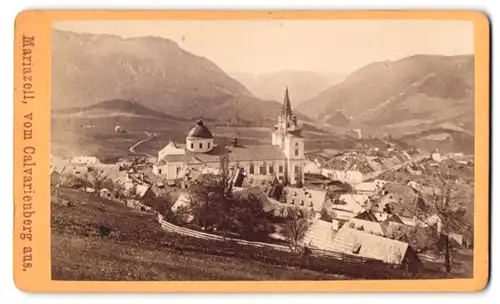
<point>181,170</point>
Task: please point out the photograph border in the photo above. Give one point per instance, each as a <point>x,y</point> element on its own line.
<point>32,114</point>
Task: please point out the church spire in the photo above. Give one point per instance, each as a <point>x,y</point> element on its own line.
<point>287,108</point>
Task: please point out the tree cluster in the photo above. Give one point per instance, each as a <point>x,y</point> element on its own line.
<point>213,208</point>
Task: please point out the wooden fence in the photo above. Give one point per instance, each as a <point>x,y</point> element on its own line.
<point>319,253</point>
<point>208,236</point>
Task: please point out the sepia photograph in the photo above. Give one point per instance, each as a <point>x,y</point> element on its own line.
<point>261,150</point>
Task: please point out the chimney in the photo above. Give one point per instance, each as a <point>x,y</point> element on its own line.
<point>199,122</point>
<point>235,141</point>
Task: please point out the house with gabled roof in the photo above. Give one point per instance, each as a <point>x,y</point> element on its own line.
<point>57,166</point>
<point>309,199</point>
<point>346,207</point>
<point>367,215</point>
<point>370,246</point>
<point>365,225</point>
<point>267,205</point>
<point>320,235</point>
<point>400,200</point>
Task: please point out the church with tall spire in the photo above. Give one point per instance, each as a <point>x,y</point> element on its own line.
<point>282,159</point>
<point>287,136</point>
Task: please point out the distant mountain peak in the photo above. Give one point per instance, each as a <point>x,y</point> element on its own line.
<point>303,84</point>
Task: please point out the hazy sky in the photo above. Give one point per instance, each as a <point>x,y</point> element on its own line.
<point>267,46</point>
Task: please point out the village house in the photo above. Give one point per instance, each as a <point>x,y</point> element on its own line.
<point>54,177</point>
<point>367,188</point>
<point>312,167</point>
<point>160,189</point>
<point>140,198</point>
<point>366,215</point>
<point>268,206</point>
<point>345,176</point>
<point>126,162</point>
<point>283,158</point>
<point>360,243</point>
<point>346,207</point>
<point>436,156</point>
<point>400,200</point>
<point>311,200</point>
<point>320,235</point>
<point>352,168</point>
<point>395,229</point>
<point>368,226</point>
<point>341,169</point>
<point>57,167</point>
<point>84,160</point>
<point>268,184</point>
<point>65,170</point>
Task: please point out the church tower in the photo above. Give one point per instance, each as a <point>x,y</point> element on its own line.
<point>287,135</point>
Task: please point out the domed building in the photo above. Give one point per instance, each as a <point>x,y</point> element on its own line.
<point>200,139</point>
<point>283,157</point>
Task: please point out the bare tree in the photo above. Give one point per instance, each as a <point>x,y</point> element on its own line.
<point>96,180</point>
<point>296,226</point>
<point>446,198</point>
<point>224,171</point>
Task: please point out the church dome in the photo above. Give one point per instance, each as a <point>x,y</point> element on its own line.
<point>200,131</point>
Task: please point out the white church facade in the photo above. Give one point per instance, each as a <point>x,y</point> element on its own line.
<point>283,158</point>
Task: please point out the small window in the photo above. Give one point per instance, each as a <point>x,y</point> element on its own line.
<point>297,169</point>
<point>262,169</point>
<point>280,170</point>
<point>159,171</point>
<point>296,152</point>
<point>208,145</point>
<point>178,170</point>
<point>192,146</point>
<point>251,169</point>
<point>201,145</point>
<point>271,169</point>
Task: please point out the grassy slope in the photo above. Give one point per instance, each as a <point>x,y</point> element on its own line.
<point>134,249</point>
<point>69,138</point>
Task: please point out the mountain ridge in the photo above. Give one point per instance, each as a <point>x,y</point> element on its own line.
<point>114,107</point>
<point>154,71</point>
<point>417,91</point>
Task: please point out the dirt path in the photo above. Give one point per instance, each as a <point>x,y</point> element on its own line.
<point>133,147</point>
